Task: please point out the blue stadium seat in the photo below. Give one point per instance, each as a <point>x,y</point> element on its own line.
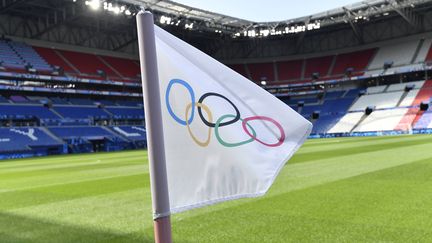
<point>23,111</point>
<point>132,113</point>
<point>325,123</point>
<point>87,132</point>
<point>22,139</point>
<point>133,133</point>
<point>75,112</point>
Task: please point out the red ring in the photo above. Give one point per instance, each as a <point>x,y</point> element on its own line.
<point>264,118</point>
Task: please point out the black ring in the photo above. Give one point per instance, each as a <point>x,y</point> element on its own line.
<point>234,120</point>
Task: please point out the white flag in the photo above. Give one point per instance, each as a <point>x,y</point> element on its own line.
<point>225,137</point>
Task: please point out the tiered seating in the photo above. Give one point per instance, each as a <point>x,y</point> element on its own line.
<point>308,110</point>
<point>380,101</point>
<point>131,113</point>
<point>53,58</point>
<point>259,71</point>
<point>30,56</point>
<point>89,132</point>
<point>382,120</point>
<point>80,101</point>
<point>428,58</point>
<point>26,111</point>
<point>423,52</point>
<point>399,54</point>
<point>325,122</point>
<point>128,103</point>
<point>126,67</point>
<point>409,98</point>
<point>425,121</point>
<point>3,99</point>
<point>354,93</point>
<point>87,63</point>
<point>347,122</point>
<point>357,60</point>
<point>334,94</point>
<point>59,101</point>
<point>106,102</point>
<point>22,139</point>
<point>133,133</point>
<point>9,58</point>
<point>319,65</point>
<point>338,106</point>
<point>401,86</point>
<point>239,68</point>
<point>80,112</point>
<point>290,70</point>
<point>376,89</point>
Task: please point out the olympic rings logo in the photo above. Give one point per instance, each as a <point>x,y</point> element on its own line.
<point>210,122</point>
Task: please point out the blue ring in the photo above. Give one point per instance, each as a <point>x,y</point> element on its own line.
<point>192,94</point>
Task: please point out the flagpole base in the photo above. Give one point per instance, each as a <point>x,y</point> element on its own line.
<point>162,230</point>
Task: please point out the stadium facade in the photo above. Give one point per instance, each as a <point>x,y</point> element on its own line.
<point>69,74</point>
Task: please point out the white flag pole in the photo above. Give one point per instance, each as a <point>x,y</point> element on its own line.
<point>155,138</point>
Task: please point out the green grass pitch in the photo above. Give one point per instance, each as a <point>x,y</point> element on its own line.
<point>333,190</point>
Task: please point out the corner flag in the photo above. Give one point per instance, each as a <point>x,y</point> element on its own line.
<point>224,137</point>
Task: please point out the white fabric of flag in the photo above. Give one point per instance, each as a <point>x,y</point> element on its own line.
<point>225,137</point>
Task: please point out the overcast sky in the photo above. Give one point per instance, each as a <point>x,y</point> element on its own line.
<point>267,10</point>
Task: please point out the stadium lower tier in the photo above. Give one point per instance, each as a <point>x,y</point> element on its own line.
<point>399,107</point>
<point>21,142</point>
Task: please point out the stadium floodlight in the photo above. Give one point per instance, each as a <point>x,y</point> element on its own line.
<point>93,4</point>
<point>189,26</point>
<point>165,20</point>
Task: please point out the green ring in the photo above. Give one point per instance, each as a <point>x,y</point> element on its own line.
<point>231,145</point>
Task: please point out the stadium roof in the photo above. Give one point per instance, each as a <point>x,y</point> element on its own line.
<point>361,11</point>
<point>110,24</point>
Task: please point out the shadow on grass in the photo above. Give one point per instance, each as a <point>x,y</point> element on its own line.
<point>20,229</point>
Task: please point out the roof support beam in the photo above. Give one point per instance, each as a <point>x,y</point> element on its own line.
<point>350,16</point>
<point>406,13</point>
<point>8,6</point>
<point>303,34</point>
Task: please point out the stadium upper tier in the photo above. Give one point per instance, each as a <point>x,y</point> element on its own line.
<point>20,57</point>
<point>391,57</point>
<point>400,55</point>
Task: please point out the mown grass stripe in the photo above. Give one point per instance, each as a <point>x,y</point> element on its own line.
<point>338,152</point>
<point>55,159</point>
<point>41,195</point>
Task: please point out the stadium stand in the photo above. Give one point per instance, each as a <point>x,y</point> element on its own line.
<point>80,112</point>
<point>381,120</point>
<point>26,111</point>
<point>400,54</point>
<point>9,58</point>
<point>358,60</point>
<point>377,100</point>
<point>137,113</point>
<point>239,68</point>
<point>347,123</point>
<point>31,57</point>
<point>89,122</point>
<point>261,71</point>
<point>51,56</point>
<point>425,121</point>
<point>133,133</point>
<point>87,63</point>
<point>320,65</point>
<point>123,66</point>
<point>27,142</point>
<point>290,70</point>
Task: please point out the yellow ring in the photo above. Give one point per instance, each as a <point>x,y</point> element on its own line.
<point>210,118</point>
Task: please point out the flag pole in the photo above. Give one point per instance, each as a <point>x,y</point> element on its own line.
<point>155,138</point>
